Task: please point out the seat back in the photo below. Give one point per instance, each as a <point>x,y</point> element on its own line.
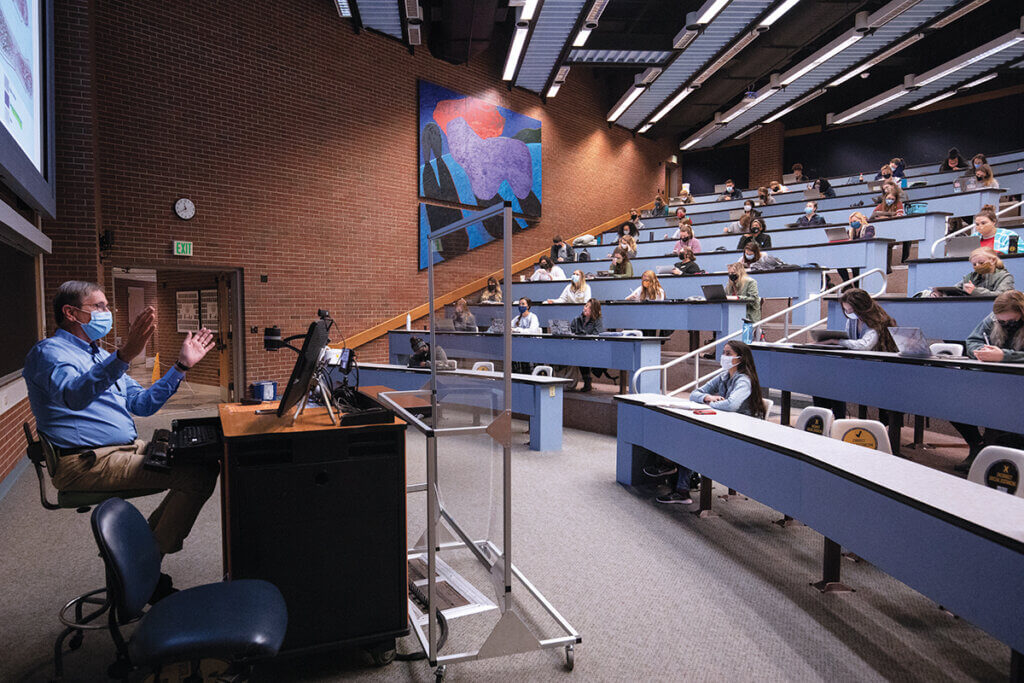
<point>544,370</point>
<point>130,553</point>
<point>867,433</point>
<point>483,365</point>
<point>40,453</point>
<point>816,420</point>
<point>941,349</point>
<point>768,405</point>
<point>999,467</point>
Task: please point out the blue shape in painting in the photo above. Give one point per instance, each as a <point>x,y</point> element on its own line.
<point>475,153</point>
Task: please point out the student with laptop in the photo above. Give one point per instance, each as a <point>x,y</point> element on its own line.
<point>984,177</point>
<point>576,292</point>
<point>649,289</point>
<point>999,338</point>
<point>987,277</point>
<point>798,173</point>
<point>867,323</point>
<point>588,323</point>
<point>757,262</point>
<point>744,288</point>
<point>685,240</point>
<point>463,320</point>
<point>687,264</point>
<point>735,390</point>
<point>824,188</point>
<point>953,161</point>
<point>811,216</point>
<point>986,224</point>
<point>621,267</point>
<point>889,207</point>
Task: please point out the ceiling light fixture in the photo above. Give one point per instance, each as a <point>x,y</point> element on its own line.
<point>671,105</point>
<point>581,38</point>
<point>748,104</point>
<point>947,70</point>
<point>796,105</point>
<point>784,7</point>
<point>529,8</point>
<point>748,131</point>
<point>949,19</point>
<point>712,11</point>
<point>937,98</point>
<point>594,15</point>
<point>515,52</point>
<point>623,104</point>
<point>871,105</point>
<point>690,143</point>
<point>726,57</point>
<point>646,128</point>
<point>983,79</point>
<point>563,73</point>
<point>877,60</point>
<point>818,61</point>
<point>890,12</point>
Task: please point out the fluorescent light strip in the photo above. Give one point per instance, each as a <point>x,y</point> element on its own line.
<point>748,131</point>
<point>624,103</point>
<point>969,7</point>
<point>343,9</point>
<point>823,58</point>
<point>597,10</point>
<point>796,105</point>
<point>671,105</point>
<point>529,8</point>
<point>515,52</point>
<point>873,105</point>
<point>983,79</point>
<point>581,37</point>
<point>877,60</point>
<point>967,62</point>
<point>553,90</point>
<point>646,128</point>
<point>691,143</point>
<point>779,11</point>
<point>933,100</point>
<point>726,57</point>
<point>712,11</point>
<point>898,9</point>
<point>748,104</point>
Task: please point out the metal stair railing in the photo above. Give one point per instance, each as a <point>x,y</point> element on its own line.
<point>965,230</point>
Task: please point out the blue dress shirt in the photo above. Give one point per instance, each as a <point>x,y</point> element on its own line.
<point>81,396</point>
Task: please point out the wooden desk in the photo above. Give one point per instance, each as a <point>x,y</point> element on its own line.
<point>319,511</point>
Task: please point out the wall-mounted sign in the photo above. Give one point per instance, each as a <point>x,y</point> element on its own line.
<point>182,248</point>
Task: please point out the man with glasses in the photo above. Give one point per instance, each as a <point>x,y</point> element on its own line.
<point>83,401</point>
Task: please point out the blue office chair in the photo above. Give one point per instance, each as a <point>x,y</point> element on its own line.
<point>233,621</point>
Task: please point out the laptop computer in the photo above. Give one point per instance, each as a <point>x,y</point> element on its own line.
<point>444,325</point>
<point>559,328</point>
<point>825,335</point>
<point>910,341</point>
<point>837,234</point>
<point>666,270</point>
<point>714,292</point>
<point>965,183</point>
<point>950,291</point>
<point>812,193</point>
<point>875,186</point>
<point>497,325</point>
<point>962,245</point>
<point>736,214</point>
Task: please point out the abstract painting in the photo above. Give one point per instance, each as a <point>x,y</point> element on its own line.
<point>459,242</point>
<point>474,153</point>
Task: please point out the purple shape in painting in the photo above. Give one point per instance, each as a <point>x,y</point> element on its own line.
<point>490,161</point>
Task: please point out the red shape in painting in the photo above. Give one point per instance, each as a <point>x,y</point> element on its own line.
<point>483,118</point>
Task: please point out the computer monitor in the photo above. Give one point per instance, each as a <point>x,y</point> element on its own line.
<point>302,374</point>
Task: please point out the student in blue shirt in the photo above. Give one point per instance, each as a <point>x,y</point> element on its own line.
<point>83,401</point>
<point>736,390</point>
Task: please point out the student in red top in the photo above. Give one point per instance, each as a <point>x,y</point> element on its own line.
<point>992,236</point>
<point>889,207</point>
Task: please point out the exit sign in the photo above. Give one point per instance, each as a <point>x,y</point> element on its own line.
<point>182,248</point>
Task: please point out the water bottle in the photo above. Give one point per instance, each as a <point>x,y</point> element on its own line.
<point>956,185</point>
<point>1012,249</point>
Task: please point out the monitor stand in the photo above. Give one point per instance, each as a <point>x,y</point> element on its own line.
<point>325,394</point>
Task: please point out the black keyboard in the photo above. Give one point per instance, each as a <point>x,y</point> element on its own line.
<point>194,436</point>
<point>158,452</point>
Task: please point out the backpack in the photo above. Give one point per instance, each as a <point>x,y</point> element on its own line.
<point>583,255</point>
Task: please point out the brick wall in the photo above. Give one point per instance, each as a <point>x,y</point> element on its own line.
<point>206,371</point>
<point>766,146</point>
<point>12,438</point>
<point>296,138</point>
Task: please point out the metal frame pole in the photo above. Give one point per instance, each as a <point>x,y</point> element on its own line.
<point>506,447</point>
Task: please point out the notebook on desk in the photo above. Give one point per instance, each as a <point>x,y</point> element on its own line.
<point>950,291</point>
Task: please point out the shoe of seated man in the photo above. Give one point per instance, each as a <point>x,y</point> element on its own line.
<point>662,469</point>
<point>675,498</point>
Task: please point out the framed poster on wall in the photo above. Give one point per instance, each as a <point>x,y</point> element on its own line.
<point>187,308</point>
<point>208,313</point>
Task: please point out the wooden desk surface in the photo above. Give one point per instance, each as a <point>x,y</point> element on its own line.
<point>241,420</point>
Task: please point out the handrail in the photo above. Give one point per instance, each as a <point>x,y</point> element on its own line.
<point>380,329</point>
<point>707,347</point>
<point>936,243</point>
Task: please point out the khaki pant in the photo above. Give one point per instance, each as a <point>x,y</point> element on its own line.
<point>119,468</point>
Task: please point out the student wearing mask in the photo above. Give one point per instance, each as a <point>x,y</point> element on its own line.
<point>889,207</point>
<point>798,172</point>
<point>547,270</point>
<point>825,188</point>
<point>778,187</point>
<point>421,355</point>
<point>660,208</point>
<point>986,225</point>
<point>891,186</point>
<point>744,288</point>
<point>621,267</point>
<point>735,390</point>
<point>731,192</point>
<point>764,196</point>
<point>687,264</point>
<point>884,173</point>
<point>576,292</point>
<point>463,319</point>
<point>681,217</point>
<point>526,321</point>
<point>588,323</point>
<point>492,293</point>
<point>743,224</point>
<point>988,275</point>
<point>757,262</point>
<point>999,338</point>
<point>562,251</point>
<point>811,216</point>
<point>757,235</point>
<point>628,244</point>
<point>649,289</point>
<point>983,174</point>
<point>634,218</point>
<point>686,240</point>
<point>867,323</point>
<point>953,161</point>
<point>859,229</point>
<point>685,196</point>
<point>978,160</point>
<point>628,228</point>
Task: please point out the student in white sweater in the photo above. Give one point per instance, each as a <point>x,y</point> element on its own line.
<point>576,292</point>
<point>547,270</point>
<point>526,322</point>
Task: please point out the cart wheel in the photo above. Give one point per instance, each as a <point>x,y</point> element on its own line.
<point>382,654</point>
<point>439,673</point>
<point>570,657</point>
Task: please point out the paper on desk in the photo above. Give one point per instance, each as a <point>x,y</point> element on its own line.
<point>457,596</point>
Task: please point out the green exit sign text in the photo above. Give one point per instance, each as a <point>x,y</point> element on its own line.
<point>182,248</point>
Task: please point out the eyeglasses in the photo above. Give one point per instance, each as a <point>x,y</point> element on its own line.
<point>98,307</point>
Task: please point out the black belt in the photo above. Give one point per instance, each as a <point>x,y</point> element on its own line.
<point>77,450</point>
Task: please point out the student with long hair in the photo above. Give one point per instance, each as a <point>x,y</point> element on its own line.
<point>492,293</point>
<point>547,270</point>
<point>687,264</point>
<point>758,235</point>
<point>999,338</point>
<point>576,292</point>
<point>649,289</point>
<point>859,229</point>
<point>621,267</point>
<point>953,161</point>
<point>889,207</point>
<point>986,225</point>
<point>867,323</point>
<point>765,196</point>
<point>744,288</point>
<point>463,319</point>
<point>686,240</point>
<point>756,261</point>
<point>588,323</point>
<point>983,174</point>
<point>988,275</point>
<point>735,390</point>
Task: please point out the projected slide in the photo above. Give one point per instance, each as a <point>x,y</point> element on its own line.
<point>20,67</point>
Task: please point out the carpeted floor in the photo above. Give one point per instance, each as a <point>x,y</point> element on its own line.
<point>657,594</point>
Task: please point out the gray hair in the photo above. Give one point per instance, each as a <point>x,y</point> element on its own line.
<point>71,293</point>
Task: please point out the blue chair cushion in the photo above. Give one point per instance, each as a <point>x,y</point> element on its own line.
<point>226,621</point>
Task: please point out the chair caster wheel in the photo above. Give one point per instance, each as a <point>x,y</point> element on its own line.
<point>570,657</point>
<point>76,641</point>
<point>439,673</point>
<point>382,654</point>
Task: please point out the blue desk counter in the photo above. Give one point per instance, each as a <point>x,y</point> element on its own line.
<point>946,318</point>
<point>946,272</point>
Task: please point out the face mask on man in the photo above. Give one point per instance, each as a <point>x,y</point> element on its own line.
<point>729,188</point>
<point>808,210</point>
<point>99,325</point>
